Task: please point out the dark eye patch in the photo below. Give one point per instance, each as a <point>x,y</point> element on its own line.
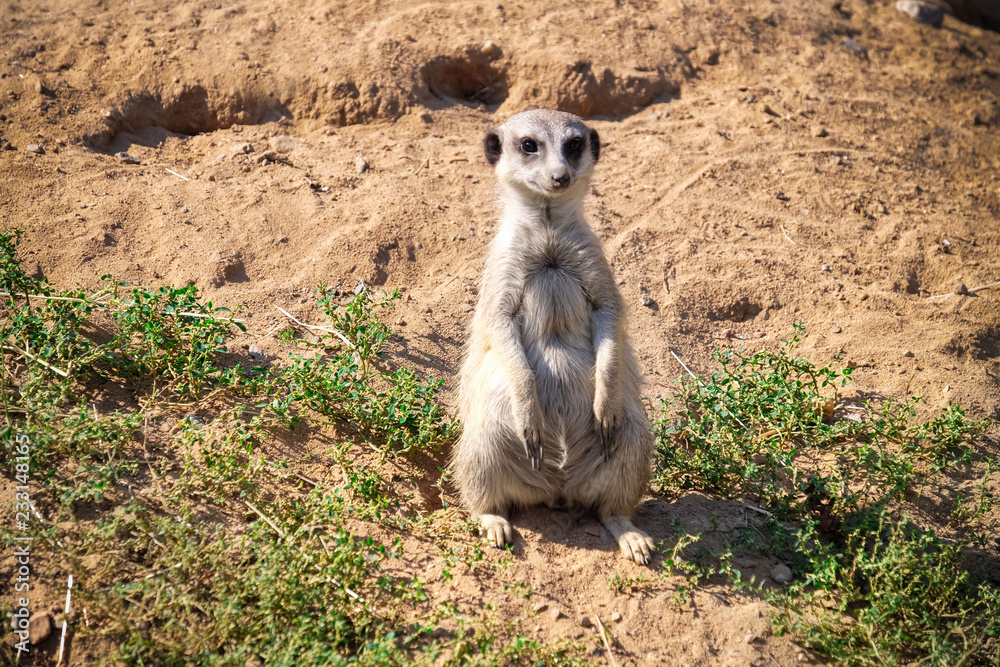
<point>573,148</point>
<point>529,146</point>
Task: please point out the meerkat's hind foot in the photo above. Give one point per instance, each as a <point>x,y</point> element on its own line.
<point>635,544</point>
<point>497,529</point>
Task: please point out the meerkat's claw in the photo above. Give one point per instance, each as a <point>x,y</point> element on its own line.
<point>637,546</point>
<point>498,530</point>
<point>532,441</point>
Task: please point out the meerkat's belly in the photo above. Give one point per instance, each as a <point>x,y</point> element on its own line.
<point>557,335</point>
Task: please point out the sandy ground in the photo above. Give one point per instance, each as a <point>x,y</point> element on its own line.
<point>762,162</point>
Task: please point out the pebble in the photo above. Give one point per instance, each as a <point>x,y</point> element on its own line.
<point>255,351</point>
<point>647,301</point>
<point>555,613</point>
<point>35,148</point>
<point>921,12</point>
<point>855,46</point>
<point>126,158</point>
<point>7,146</point>
<point>488,48</point>
<point>243,149</point>
<point>781,196</point>
<point>281,143</point>
<point>654,116</point>
<point>401,322</point>
<point>585,622</point>
<point>947,388</point>
<point>540,607</point>
<point>269,156</point>
<point>751,98</point>
<point>960,288</point>
<point>467,307</point>
<point>750,638</point>
<point>836,330</point>
<point>615,616</point>
<point>39,627</point>
<point>360,165</point>
<point>781,573</point>
<point>820,131</point>
<point>825,267</point>
<point>908,353</point>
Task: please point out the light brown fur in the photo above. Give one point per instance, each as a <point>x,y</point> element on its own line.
<point>550,400</point>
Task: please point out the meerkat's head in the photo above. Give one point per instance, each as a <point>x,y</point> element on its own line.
<point>543,152</point>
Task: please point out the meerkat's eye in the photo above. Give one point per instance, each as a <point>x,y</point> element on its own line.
<point>529,146</point>
<point>573,148</point>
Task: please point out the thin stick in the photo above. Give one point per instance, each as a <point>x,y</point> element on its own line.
<point>349,591</point>
<point>95,302</point>
<point>313,326</point>
<point>756,509</point>
<point>302,477</point>
<point>177,175</point>
<point>698,380</point>
<point>971,291</point>
<point>264,517</point>
<point>604,638</point>
<point>425,163</point>
<point>786,235</point>
<point>62,640</point>
<point>135,581</point>
<point>14,348</point>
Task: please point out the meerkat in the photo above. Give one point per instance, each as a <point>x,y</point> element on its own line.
<point>550,388</point>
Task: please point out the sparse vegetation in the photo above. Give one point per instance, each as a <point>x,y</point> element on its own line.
<point>209,548</point>
<point>849,499</point>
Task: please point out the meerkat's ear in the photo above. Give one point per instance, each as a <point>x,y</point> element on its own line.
<point>493,147</point>
<point>595,145</point>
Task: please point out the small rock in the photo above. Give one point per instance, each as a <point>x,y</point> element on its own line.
<point>801,657</point>
<point>401,322</point>
<point>652,657</point>
<point>647,301</point>
<point>35,148</point>
<point>654,116</point>
<point>241,149</point>
<point>540,607</point>
<point>253,662</point>
<point>751,98</point>
<point>825,267</point>
<point>555,613</point>
<point>489,48</point>
<point>126,158</point>
<point>270,156</point>
<point>360,165</point>
<point>585,622</point>
<point>7,146</point>
<point>281,143</point>
<point>39,627</point>
<point>615,617</point>
<point>42,89</point>
<point>820,131</point>
<point>947,388</point>
<point>922,12</point>
<point>960,288</point>
<point>836,330</point>
<point>750,638</point>
<point>854,46</point>
<point>781,196</point>
<point>255,351</point>
<point>781,573</point>
<point>467,307</point>
<point>908,353</point>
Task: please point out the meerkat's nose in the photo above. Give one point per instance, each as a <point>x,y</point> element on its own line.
<point>560,180</point>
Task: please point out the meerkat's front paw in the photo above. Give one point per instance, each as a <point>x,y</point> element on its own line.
<point>607,417</point>
<point>529,429</point>
<point>497,529</point>
<point>637,546</point>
